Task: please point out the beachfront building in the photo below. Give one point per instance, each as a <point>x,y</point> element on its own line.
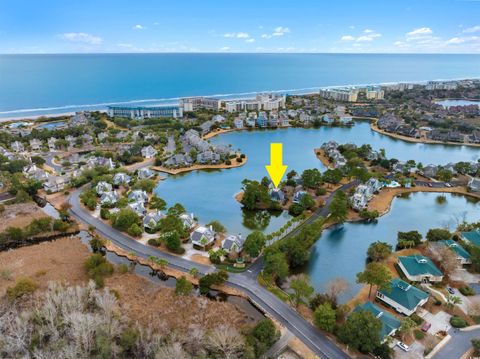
<point>441,85</point>
<point>262,102</point>
<point>374,93</point>
<point>461,253</point>
<point>390,324</point>
<point>196,103</point>
<point>419,268</point>
<point>340,94</point>
<point>145,112</point>
<point>403,297</point>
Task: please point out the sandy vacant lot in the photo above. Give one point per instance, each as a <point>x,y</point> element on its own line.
<point>20,215</point>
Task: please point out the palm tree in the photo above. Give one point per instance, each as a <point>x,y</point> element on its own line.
<point>453,300</point>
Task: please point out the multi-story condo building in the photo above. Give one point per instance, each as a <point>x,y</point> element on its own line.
<point>440,85</point>
<point>374,93</point>
<point>145,112</point>
<point>262,102</point>
<point>195,103</point>
<point>340,94</point>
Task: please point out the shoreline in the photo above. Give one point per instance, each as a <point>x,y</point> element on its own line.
<point>175,171</point>
<point>374,127</point>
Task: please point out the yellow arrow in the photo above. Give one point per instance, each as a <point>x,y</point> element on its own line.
<point>276,170</point>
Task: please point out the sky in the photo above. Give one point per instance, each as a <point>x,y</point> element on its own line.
<point>345,26</point>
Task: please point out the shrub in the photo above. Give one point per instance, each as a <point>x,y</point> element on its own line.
<point>135,230</point>
<point>228,162</point>
<point>104,213</point>
<point>438,234</point>
<point>97,268</point>
<point>458,322</point>
<point>320,191</point>
<point>23,286</point>
<point>467,291</point>
<point>122,268</point>
<point>416,318</point>
<point>153,242</point>
<point>239,159</point>
<point>419,335</point>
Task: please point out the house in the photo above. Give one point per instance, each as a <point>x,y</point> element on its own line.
<point>121,178</point>
<point>17,146</point>
<point>35,144</point>
<point>346,120</point>
<point>419,268</point>
<point>208,157</point>
<point>202,236</point>
<point>109,198</point>
<point>103,187</point>
<point>390,324</point>
<point>358,201</point>
<point>151,220</point>
<point>430,171</point>
<point>144,173</point>
<point>262,120</point>
<point>35,173</point>
<point>403,297</point>
<point>179,160</point>
<point>474,184</point>
<point>71,140</point>
<point>463,256</point>
<point>297,197</point>
<point>138,196</point>
<point>149,152</point>
<point>51,142</point>
<point>374,184</point>
<point>87,139</point>
<point>328,119</point>
<point>472,237</point>
<point>188,220</point>
<point>138,208</point>
<point>56,184</point>
<point>277,194</point>
<point>238,122</point>
<point>233,243</point>
<point>102,136</point>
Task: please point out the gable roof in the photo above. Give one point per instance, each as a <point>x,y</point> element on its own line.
<point>472,236</point>
<point>457,248</point>
<point>404,294</point>
<point>418,265</point>
<point>389,322</point>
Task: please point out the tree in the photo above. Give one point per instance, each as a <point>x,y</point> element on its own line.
<point>210,279</point>
<point>375,274</point>
<point>407,326</point>
<point>336,287</point>
<point>157,203</point>
<point>414,236</point>
<point>254,243</point>
<point>176,210</point>
<point>476,347</point>
<point>125,218</point>
<point>135,230</point>
<point>446,258</point>
<point>217,226</point>
<point>438,234</point>
<point>193,272</point>
<point>307,201</point>
<point>276,265</point>
<point>311,178</point>
<point>253,194</point>
<point>183,286</point>
<point>302,290</point>
<point>361,331</point>
<point>262,337</point>
<point>444,175</point>
<point>146,185</point>
<point>453,300</point>
<point>172,241</point>
<point>325,317</point>
<point>339,207</point>
<point>379,251</point>
<point>332,176</point>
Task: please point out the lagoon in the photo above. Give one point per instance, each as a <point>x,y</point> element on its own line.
<point>450,103</point>
<point>341,251</point>
<point>210,194</point>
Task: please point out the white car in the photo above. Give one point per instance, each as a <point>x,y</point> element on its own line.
<point>403,346</point>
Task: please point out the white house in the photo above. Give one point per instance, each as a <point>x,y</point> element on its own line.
<point>149,152</point>
<point>202,236</point>
<point>403,297</point>
<point>103,187</point>
<point>233,243</point>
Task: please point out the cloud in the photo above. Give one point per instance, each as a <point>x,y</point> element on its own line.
<point>236,35</point>
<point>250,40</point>
<point>420,32</point>
<point>82,37</point>
<point>472,29</point>
<point>277,32</point>
<point>456,40</point>
<point>225,48</point>
<point>347,38</point>
<point>138,27</point>
<point>367,36</point>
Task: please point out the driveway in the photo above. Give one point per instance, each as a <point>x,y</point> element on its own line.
<point>416,351</point>
<point>439,321</point>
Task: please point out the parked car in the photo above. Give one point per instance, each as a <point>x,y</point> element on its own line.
<point>450,290</point>
<point>448,185</point>
<point>426,326</point>
<point>429,185</point>
<point>403,346</point>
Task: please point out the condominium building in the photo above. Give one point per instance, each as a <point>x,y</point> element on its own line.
<point>262,102</point>
<point>195,103</point>
<point>145,112</point>
<point>441,85</point>
<point>340,94</point>
<point>374,93</point>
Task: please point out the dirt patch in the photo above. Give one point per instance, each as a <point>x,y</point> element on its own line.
<point>60,260</point>
<point>197,258</point>
<point>322,157</point>
<point>20,215</point>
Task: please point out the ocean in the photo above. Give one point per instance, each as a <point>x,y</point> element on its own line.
<point>43,84</point>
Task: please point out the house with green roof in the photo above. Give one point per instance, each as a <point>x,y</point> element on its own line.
<point>390,324</point>
<point>472,237</point>
<point>403,297</point>
<point>463,256</point>
<point>419,268</point>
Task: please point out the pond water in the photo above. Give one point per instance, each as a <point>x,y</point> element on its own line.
<point>341,251</point>
<point>448,103</point>
<point>210,194</point>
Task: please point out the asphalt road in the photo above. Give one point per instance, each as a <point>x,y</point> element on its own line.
<point>246,281</point>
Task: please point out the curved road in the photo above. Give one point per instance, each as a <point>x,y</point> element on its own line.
<point>246,281</point>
